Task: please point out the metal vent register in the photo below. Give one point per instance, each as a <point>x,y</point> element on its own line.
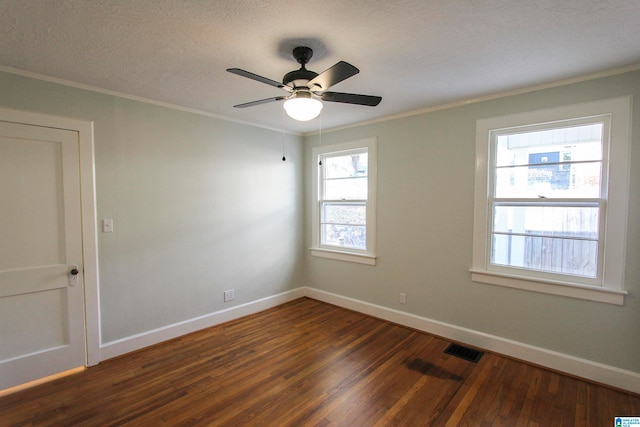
<point>465,353</point>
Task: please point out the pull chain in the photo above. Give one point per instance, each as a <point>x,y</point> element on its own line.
<point>320,145</point>
<point>284,159</point>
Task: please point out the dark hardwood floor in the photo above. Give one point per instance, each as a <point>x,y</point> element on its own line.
<point>307,363</point>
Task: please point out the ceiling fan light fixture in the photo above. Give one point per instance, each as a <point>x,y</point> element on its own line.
<point>302,107</point>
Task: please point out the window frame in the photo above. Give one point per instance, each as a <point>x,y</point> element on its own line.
<point>368,255</point>
<point>608,286</point>
<point>599,202</point>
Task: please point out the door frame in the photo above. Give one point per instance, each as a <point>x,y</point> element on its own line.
<point>89,227</point>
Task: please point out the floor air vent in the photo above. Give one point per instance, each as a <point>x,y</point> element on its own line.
<point>465,353</point>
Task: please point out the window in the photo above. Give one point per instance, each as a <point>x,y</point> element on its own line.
<point>546,198</point>
<point>344,201</point>
<point>551,200</point>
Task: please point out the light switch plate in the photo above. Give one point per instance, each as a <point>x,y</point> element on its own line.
<point>107,226</point>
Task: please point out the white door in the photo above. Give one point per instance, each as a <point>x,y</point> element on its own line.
<point>42,323</point>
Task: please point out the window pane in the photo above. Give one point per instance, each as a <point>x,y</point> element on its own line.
<point>564,162</point>
<point>556,221</point>
<point>346,189</point>
<point>347,236</point>
<point>548,254</point>
<point>346,166</point>
<point>573,180</point>
<point>344,213</point>
<point>567,144</point>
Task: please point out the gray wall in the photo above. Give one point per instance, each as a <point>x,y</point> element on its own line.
<point>425,221</point>
<point>200,205</point>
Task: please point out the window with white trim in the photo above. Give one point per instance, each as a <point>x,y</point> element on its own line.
<point>551,200</point>
<point>344,201</point>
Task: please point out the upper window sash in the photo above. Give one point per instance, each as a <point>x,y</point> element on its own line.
<point>601,159</point>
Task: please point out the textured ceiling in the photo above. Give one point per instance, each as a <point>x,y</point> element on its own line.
<point>414,53</point>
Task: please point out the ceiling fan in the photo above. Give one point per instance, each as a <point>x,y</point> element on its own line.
<point>306,88</point>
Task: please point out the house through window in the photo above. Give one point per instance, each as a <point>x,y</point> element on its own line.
<point>551,200</point>
<point>548,197</point>
<point>343,201</point>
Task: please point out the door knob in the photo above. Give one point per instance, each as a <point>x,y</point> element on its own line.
<point>73,275</point>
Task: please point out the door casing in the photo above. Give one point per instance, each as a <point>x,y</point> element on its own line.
<point>89,220</point>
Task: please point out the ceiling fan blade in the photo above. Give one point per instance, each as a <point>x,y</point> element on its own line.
<point>351,98</point>
<point>258,78</point>
<point>339,72</point>
<point>261,101</point>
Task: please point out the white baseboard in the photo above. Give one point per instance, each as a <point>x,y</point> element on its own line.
<point>593,371</point>
<point>135,342</point>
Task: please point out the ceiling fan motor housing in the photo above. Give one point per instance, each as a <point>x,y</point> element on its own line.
<point>302,55</point>
<point>299,77</point>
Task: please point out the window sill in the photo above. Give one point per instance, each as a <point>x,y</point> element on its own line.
<point>344,256</point>
<point>572,290</point>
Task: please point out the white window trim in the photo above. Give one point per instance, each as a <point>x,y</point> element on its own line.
<point>367,256</point>
<point>612,290</point>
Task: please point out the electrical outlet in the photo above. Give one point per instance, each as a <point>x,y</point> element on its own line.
<point>403,298</point>
<point>229,295</point>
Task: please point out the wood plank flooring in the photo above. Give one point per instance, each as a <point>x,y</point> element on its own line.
<point>307,363</point>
